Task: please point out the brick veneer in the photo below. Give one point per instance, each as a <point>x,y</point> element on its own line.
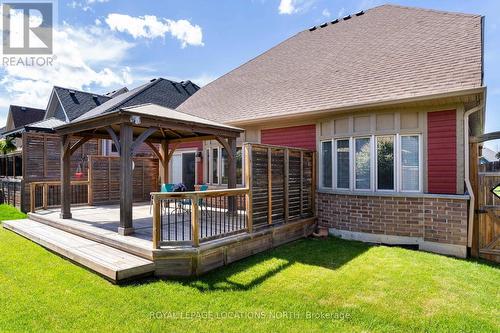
<point>433,219</point>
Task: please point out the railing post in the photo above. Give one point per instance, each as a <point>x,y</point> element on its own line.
<point>194,221</point>
<point>248,183</point>
<point>269,186</point>
<point>32,197</point>
<point>285,182</point>
<point>156,222</point>
<point>45,196</point>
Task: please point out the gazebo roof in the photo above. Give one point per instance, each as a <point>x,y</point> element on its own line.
<point>170,125</point>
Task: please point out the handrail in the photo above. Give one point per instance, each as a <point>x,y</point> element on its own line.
<point>45,192</point>
<point>194,197</point>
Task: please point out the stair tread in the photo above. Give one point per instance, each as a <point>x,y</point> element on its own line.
<point>108,261</point>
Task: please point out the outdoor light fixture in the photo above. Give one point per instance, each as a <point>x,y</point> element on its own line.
<point>79,172</point>
<point>136,120</point>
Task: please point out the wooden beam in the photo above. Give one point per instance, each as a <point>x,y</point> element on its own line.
<point>65,177</point>
<point>114,137</point>
<point>248,184</point>
<point>269,187</point>
<point>486,137</point>
<point>155,151</point>
<point>165,160</point>
<point>141,138</point>
<point>78,144</point>
<point>473,177</point>
<point>126,183</point>
<point>194,221</point>
<point>226,146</point>
<point>156,222</point>
<point>193,139</point>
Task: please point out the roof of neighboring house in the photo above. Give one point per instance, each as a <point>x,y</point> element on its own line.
<point>385,54</point>
<point>116,92</point>
<point>46,124</point>
<point>158,91</point>
<point>22,115</point>
<point>75,102</point>
<point>489,154</point>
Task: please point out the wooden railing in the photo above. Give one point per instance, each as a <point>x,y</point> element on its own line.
<point>188,218</point>
<point>47,194</point>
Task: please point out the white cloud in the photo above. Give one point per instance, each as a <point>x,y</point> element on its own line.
<point>151,27</point>
<point>326,13</point>
<point>288,7</point>
<point>85,5</point>
<point>85,58</point>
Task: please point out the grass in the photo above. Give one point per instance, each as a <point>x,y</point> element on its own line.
<point>306,286</point>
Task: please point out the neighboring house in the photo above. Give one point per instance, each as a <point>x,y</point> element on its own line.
<point>41,155</point>
<point>488,156</point>
<point>381,95</point>
<point>17,118</point>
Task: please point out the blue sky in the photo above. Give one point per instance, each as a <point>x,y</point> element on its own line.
<point>104,44</point>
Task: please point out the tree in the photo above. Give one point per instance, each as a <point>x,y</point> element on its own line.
<point>7,145</point>
<point>498,155</point>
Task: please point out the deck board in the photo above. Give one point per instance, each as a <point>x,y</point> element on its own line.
<point>105,260</point>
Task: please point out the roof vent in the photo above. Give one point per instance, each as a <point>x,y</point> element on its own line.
<point>335,21</point>
<point>23,108</point>
<point>71,92</point>
<point>312,28</point>
<point>324,25</point>
<point>360,13</point>
<point>152,80</point>
<point>347,17</point>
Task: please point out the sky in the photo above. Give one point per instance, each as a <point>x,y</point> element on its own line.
<point>101,45</point>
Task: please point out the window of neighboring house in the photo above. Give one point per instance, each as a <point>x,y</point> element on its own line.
<point>326,164</point>
<point>343,164</point>
<point>10,166</point>
<point>410,163</point>
<point>19,166</point>
<point>385,163</point>
<point>362,164</point>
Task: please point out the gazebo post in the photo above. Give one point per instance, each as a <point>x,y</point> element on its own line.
<point>164,153</point>
<point>126,183</point>
<point>65,177</point>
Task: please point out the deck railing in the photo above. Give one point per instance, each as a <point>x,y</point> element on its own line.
<point>47,194</point>
<point>188,218</point>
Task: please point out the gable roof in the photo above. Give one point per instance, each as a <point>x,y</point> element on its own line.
<point>387,53</point>
<point>159,91</point>
<point>22,115</point>
<point>75,102</point>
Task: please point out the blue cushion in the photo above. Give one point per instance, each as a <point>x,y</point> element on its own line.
<point>167,187</point>
<point>203,187</point>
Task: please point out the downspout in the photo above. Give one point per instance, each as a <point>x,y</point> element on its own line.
<point>467,170</point>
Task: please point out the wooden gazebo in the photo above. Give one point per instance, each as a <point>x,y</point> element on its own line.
<point>131,127</point>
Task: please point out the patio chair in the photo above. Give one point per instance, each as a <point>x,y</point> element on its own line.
<point>164,189</point>
<point>202,203</point>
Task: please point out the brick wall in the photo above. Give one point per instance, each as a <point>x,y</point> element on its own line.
<point>441,220</point>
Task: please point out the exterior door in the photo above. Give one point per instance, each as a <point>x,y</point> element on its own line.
<point>189,170</point>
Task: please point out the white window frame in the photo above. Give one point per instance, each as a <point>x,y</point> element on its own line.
<point>220,166</point>
<point>335,165</point>
<point>321,173</point>
<point>420,164</point>
<point>395,171</point>
<point>370,137</point>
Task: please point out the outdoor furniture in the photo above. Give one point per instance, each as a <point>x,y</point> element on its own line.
<point>164,188</point>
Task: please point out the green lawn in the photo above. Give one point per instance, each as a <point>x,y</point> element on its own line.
<point>360,287</point>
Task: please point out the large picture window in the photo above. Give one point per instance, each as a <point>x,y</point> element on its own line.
<point>374,163</point>
<point>326,163</point>
<point>410,163</point>
<point>362,163</point>
<point>385,163</point>
<point>343,164</point>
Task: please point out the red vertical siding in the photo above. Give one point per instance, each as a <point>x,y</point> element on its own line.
<point>296,136</point>
<point>442,152</point>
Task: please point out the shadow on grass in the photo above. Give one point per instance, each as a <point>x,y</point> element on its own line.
<point>331,253</point>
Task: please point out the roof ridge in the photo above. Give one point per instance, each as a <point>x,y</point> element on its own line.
<point>27,107</point>
<point>438,11</point>
<point>83,92</point>
<point>141,90</point>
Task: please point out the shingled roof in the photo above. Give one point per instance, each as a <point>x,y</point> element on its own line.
<point>158,91</point>
<point>75,102</point>
<point>387,53</point>
<point>22,115</point>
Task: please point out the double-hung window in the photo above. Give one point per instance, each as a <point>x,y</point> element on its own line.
<point>410,163</point>
<point>385,163</point>
<point>362,163</point>
<point>343,164</point>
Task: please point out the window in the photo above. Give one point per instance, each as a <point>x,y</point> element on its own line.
<point>225,166</point>
<point>362,164</point>
<point>215,164</point>
<point>343,166</point>
<point>113,148</point>
<point>410,163</point>
<point>207,165</point>
<point>326,164</point>
<point>239,165</point>
<point>385,163</point>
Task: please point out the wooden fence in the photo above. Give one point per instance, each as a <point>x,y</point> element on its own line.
<point>47,194</point>
<point>281,181</point>
<point>489,217</point>
<point>104,176</point>
<point>11,192</point>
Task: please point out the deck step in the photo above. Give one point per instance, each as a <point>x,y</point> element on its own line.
<point>110,262</point>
